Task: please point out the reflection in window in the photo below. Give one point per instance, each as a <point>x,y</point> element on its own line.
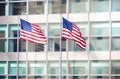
<point>3,77</point>
<point>12,46</point>
<point>78,67</point>
<point>115,67</point>
<point>77,77</point>
<point>99,67</point>
<point>115,5</point>
<point>3,45</point>
<point>53,67</point>
<point>99,5</point>
<point>53,44</point>
<point>36,68</point>
<point>115,77</point>
<point>33,47</point>
<point>17,8</point>
<point>22,46</point>
<point>2,9</point>
<point>12,67</point>
<point>22,68</point>
<point>3,32</point>
<point>115,43</point>
<point>100,77</point>
<point>3,68</point>
<point>12,77</point>
<point>36,7</point>
<point>82,4</point>
<point>99,44</point>
<point>54,30</point>
<point>115,28</point>
<point>36,77</point>
<point>57,6</point>
<point>13,30</point>
<point>101,29</point>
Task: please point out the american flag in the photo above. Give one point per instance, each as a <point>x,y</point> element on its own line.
<point>31,32</point>
<point>72,32</point>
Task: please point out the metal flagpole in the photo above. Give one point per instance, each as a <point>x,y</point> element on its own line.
<point>18,38</point>
<point>60,60</point>
<point>46,46</point>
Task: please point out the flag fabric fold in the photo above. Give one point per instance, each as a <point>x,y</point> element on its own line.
<point>72,32</point>
<point>31,32</point>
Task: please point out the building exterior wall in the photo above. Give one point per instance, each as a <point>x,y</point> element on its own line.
<point>99,24</point>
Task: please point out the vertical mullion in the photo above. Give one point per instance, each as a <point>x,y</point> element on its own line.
<point>89,66</point>
<point>110,37</point>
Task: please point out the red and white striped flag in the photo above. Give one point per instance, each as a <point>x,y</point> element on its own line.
<point>31,32</point>
<point>72,32</point>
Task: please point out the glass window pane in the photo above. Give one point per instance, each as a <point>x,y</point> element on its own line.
<point>101,29</point>
<point>115,67</point>
<point>12,77</point>
<point>22,68</point>
<point>36,77</point>
<point>3,31</point>
<point>32,47</point>
<point>77,77</point>
<point>3,45</point>
<point>57,6</point>
<point>53,68</point>
<point>99,67</point>
<point>2,9</point>
<point>115,28</point>
<point>13,30</point>
<point>54,30</point>
<point>3,77</point>
<point>78,67</point>
<point>99,5</point>
<point>22,46</point>
<point>82,4</point>
<point>54,44</point>
<point>22,77</point>
<point>36,7</point>
<point>116,43</point>
<point>100,77</point>
<point>12,45</point>
<point>36,68</point>
<point>99,44</point>
<point>115,77</point>
<point>17,8</point>
<point>12,67</point>
<point>3,68</point>
<point>115,5</point>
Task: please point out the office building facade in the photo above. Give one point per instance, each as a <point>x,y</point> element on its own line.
<point>99,23</point>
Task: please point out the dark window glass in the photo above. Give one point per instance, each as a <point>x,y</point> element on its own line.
<point>2,8</point>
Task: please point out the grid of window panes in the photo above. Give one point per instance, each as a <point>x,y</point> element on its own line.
<point>97,35</point>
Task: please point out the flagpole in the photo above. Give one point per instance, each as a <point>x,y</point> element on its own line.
<point>60,60</point>
<point>46,51</point>
<point>18,48</point>
<point>67,12</point>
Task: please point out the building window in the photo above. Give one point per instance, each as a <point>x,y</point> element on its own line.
<point>3,68</point>
<point>115,5</point>
<point>99,6</point>
<point>36,7</point>
<point>2,9</point>
<point>56,7</point>
<point>99,67</point>
<point>78,67</point>
<point>17,8</point>
<point>36,68</point>
<point>12,67</point>
<point>82,4</point>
